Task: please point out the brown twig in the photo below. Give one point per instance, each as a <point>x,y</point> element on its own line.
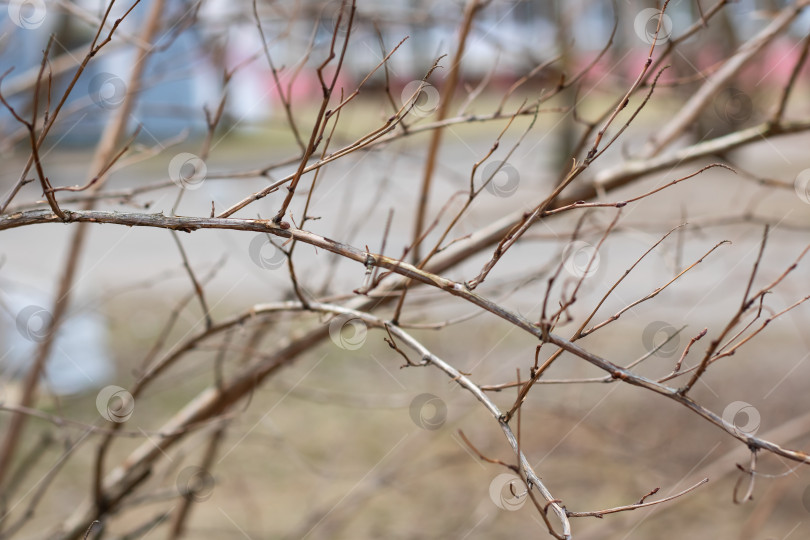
<point>448,90</point>
<point>198,290</point>
<point>640,504</point>
<point>323,115</point>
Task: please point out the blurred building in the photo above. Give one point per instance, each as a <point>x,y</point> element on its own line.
<point>187,66</point>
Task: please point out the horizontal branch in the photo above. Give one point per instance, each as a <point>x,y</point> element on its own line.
<point>633,169</point>
<point>284,230</point>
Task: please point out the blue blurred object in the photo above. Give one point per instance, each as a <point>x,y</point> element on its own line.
<point>80,357</point>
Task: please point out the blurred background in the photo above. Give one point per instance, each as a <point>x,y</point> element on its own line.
<point>343,443</point>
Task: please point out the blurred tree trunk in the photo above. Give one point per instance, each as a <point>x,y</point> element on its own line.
<point>566,130</point>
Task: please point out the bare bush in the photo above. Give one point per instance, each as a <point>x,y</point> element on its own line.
<point>372,206</point>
